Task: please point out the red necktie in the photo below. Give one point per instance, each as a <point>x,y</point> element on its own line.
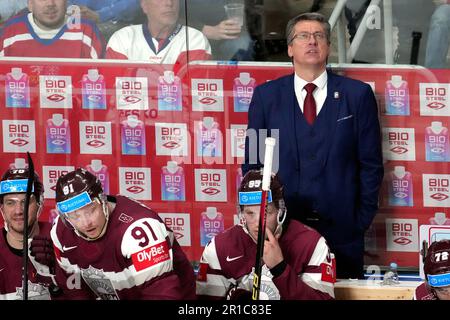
<point>309,108</point>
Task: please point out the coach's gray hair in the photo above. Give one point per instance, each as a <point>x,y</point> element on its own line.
<point>309,16</point>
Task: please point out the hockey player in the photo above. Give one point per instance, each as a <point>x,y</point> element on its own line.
<point>437,273</point>
<point>13,187</point>
<point>120,248</point>
<point>298,262</point>
<point>46,31</point>
<point>161,39</point>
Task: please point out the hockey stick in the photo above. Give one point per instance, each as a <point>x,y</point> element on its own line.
<point>267,173</point>
<point>25,228</point>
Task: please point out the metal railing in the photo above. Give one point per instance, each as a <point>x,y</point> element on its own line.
<point>337,19</point>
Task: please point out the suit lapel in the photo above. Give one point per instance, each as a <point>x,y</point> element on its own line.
<point>288,104</point>
<point>332,102</point>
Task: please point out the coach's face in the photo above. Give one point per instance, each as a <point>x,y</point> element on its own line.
<point>309,47</point>
<point>48,14</point>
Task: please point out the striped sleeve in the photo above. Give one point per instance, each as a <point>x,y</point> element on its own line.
<point>313,282</point>
<point>211,283</point>
<point>94,40</point>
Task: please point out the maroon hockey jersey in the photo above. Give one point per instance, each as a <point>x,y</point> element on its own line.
<point>423,292</point>
<point>11,263</point>
<point>228,260</point>
<point>137,258</point>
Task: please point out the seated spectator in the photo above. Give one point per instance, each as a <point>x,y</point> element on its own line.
<point>229,40</point>
<point>436,267</point>
<point>109,15</point>
<point>9,9</point>
<point>46,31</point>
<point>161,39</point>
<point>438,36</point>
<point>297,261</point>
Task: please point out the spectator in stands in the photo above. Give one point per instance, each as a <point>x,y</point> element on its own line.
<point>160,39</point>
<point>229,40</point>
<point>46,31</point>
<point>438,36</point>
<point>110,15</point>
<point>9,9</point>
<point>436,266</point>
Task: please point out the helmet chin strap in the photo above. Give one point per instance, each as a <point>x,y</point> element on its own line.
<point>5,225</point>
<point>281,216</point>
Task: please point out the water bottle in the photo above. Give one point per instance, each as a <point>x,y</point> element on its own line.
<point>391,276</point>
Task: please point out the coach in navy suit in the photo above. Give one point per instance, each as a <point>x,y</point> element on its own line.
<point>330,158</point>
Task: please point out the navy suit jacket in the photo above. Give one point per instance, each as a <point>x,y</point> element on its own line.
<point>352,170</point>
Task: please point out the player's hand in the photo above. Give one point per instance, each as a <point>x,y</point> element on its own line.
<point>41,249</point>
<point>272,251</point>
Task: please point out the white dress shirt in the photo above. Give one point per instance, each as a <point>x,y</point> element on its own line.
<point>320,93</point>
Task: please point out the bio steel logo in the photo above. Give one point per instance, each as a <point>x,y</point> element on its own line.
<point>399,144</point>
<point>402,235</point>
<point>179,223</point>
<point>151,256</point>
<point>171,139</point>
<point>132,93</point>
<point>135,183</point>
<point>434,99</point>
<point>238,133</point>
<point>402,231</point>
<point>95,137</point>
<point>436,190</point>
<point>19,136</point>
<point>440,187</point>
<point>207,94</point>
<point>172,136</point>
<point>55,91</point>
<point>210,185</point>
<point>51,175</point>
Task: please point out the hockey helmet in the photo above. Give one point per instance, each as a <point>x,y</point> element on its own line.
<point>16,180</point>
<point>251,187</point>
<point>77,189</point>
<point>437,264</point>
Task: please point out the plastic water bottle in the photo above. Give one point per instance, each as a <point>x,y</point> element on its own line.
<point>391,276</point>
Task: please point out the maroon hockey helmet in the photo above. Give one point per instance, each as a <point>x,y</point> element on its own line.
<point>437,260</point>
<point>252,182</point>
<point>77,182</point>
<point>15,181</point>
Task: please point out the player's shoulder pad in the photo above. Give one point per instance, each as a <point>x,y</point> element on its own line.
<point>143,233</point>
